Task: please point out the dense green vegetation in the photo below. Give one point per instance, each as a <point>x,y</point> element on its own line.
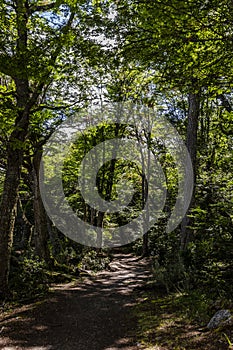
<point>62,59</point>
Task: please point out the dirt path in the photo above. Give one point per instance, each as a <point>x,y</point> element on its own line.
<point>93,315</point>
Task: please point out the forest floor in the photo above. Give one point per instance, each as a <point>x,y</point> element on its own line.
<point>108,311</point>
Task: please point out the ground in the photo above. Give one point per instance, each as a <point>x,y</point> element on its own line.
<point>94,314</point>
<point>108,311</point>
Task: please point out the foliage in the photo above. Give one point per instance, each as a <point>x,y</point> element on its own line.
<point>177,41</point>
<point>167,320</point>
<point>94,261</point>
<point>161,51</point>
<point>171,274</point>
<point>108,179</point>
<point>28,277</point>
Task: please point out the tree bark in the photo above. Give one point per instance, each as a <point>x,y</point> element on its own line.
<point>15,149</point>
<point>8,208</point>
<point>146,163</point>
<point>145,242</point>
<point>16,67</point>
<point>41,234</point>
<point>99,238</point>
<point>23,229</point>
<point>191,143</point>
<point>8,205</point>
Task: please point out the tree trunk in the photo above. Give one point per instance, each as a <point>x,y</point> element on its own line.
<point>191,143</point>
<point>8,207</point>
<point>41,234</point>
<point>99,238</point>
<point>23,229</point>
<point>26,99</point>
<point>15,148</point>
<point>145,242</point>
<point>145,180</point>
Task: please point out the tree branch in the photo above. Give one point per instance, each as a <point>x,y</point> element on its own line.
<point>64,31</point>
<point>42,8</point>
<point>53,108</point>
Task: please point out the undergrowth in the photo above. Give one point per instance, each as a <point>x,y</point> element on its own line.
<point>31,278</point>
<point>177,321</point>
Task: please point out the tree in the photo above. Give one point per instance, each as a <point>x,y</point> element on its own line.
<point>181,45</point>
<point>38,46</point>
<point>77,182</point>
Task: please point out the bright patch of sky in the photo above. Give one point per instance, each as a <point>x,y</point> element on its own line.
<point>57,20</point>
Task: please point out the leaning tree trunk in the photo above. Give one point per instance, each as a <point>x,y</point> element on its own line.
<point>191,143</point>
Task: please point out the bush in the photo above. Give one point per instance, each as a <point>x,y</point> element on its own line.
<point>93,261</point>
<point>28,277</point>
<point>172,275</point>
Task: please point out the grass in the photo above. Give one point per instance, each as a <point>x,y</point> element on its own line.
<point>178,321</point>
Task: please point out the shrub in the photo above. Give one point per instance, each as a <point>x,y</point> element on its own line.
<point>93,261</point>
<point>28,277</point>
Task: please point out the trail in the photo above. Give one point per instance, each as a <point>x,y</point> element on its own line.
<point>94,314</point>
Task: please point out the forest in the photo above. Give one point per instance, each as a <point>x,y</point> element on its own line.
<point>116,186</point>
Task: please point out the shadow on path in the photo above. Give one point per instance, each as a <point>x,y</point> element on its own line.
<point>91,315</point>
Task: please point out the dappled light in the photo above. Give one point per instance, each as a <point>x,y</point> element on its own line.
<point>93,314</point>
<point>116,186</point>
